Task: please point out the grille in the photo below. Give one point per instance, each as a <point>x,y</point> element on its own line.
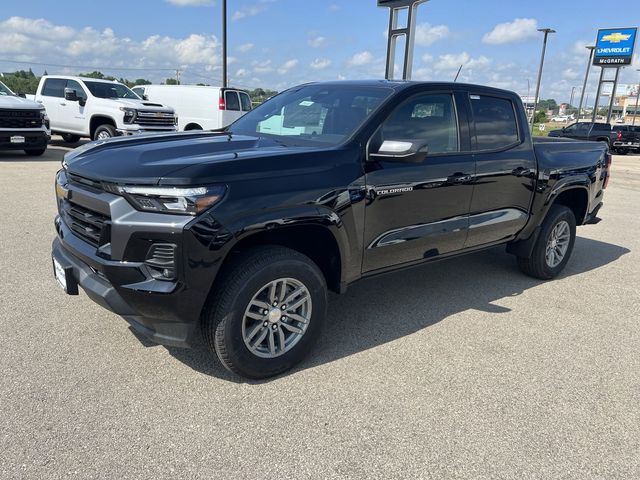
<point>156,119</point>
<point>88,224</point>
<point>20,119</point>
<point>85,182</point>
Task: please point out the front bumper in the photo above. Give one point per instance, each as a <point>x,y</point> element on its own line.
<point>33,139</point>
<point>134,130</point>
<point>629,145</point>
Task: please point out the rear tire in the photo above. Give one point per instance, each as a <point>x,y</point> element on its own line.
<point>272,279</point>
<point>35,152</point>
<point>104,132</point>
<point>70,138</point>
<point>554,245</point>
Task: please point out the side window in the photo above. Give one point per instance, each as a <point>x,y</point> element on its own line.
<point>431,118</point>
<point>78,88</point>
<point>54,87</point>
<point>231,101</point>
<point>138,91</point>
<point>246,102</point>
<point>495,120</point>
<point>572,128</point>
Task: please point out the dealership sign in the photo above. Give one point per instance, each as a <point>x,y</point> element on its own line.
<point>614,46</point>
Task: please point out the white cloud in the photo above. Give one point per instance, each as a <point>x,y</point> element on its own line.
<point>317,42</point>
<point>570,74</point>
<point>334,7</point>
<point>427,34</point>
<point>320,63</point>
<point>361,58</point>
<point>517,31</point>
<point>251,10</point>
<point>286,66</point>
<point>190,3</point>
<point>452,61</point>
<point>262,67</point>
<point>242,73</point>
<point>245,47</point>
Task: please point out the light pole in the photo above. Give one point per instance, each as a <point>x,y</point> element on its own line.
<point>591,48</point>
<point>635,113</point>
<point>546,31</point>
<point>224,43</point>
<point>573,89</point>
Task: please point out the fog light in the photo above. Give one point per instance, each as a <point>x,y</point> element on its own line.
<point>161,261</point>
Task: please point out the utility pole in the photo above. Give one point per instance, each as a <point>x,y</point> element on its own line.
<point>546,31</point>
<point>224,44</point>
<point>573,89</point>
<point>635,113</point>
<point>178,76</point>
<point>591,48</point>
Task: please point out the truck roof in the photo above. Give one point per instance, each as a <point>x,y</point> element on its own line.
<point>78,78</point>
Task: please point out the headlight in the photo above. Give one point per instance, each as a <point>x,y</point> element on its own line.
<point>177,200</point>
<point>129,114</point>
<point>45,118</point>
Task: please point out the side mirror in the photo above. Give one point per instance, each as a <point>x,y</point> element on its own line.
<point>408,151</point>
<point>22,95</point>
<point>145,97</point>
<point>70,94</point>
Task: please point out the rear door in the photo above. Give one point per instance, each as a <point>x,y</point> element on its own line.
<point>505,170</point>
<point>232,110</point>
<point>419,210</point>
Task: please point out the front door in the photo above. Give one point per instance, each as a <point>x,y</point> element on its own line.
<point>72,118</point>
<point>419,210</point>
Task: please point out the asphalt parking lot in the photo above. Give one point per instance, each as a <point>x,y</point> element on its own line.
<point>460,369</point>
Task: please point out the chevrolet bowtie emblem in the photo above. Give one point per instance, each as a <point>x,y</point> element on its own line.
<point>616,37</point>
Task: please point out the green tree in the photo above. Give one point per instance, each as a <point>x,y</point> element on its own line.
<point>540,117</point>
<point>171,81</point>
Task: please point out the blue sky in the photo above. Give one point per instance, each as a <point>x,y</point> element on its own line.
<point>278,43</point>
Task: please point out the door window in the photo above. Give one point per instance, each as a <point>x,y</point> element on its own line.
<point>430,118</point>
<point>246,102</point>
<point>231,101</point>
<point>78,88</point>
<point>495,120</point>
<point>54,87</point>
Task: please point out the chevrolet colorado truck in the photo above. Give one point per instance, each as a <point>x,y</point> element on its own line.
<point>627,139</point>
<point>24,124</point>
<point>99,109</point>
<point>596,132</point>
<point>235,237</point>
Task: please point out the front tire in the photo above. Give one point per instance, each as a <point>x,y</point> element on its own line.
<point>70,138</point>
<point>554,245</point>
<point>267,313</point>
<point>104,132</point>
<point>35,152</point>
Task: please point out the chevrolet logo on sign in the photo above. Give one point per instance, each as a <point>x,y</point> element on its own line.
<point>616,37</point>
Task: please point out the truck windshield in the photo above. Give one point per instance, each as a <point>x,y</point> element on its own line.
<point>110,90</point>
<point>4,90</point>
<point>313,114</point>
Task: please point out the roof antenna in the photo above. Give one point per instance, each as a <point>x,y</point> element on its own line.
<point>457,74</point>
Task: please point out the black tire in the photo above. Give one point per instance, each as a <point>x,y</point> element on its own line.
<point>192,126</point>
<point>536,266</point>
<point>105,130</point>
<point>622,151</point>
<point>244,278</point>
<point>70,138</point>
<point>35,152</point>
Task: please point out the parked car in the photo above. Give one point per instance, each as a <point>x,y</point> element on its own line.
<point>99,109</point>
<point>24,124</point>
<point>561,118</point>
<point>599,132</point>
<point>627,139</point>
<point>198,107</point>
<point>240,234</point>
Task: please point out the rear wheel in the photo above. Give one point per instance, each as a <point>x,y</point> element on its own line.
<point>104,132</point>
<point>70,138</point>
<point>35,152</point>
<point>267,313</point>
<point>554,245</point>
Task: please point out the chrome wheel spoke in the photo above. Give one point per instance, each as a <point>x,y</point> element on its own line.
<point>282,339</point>
<point>260,304</point>
<point>293,329</point>
<point>261,337</point>
<point>255,331</point>
<point>297,304</point>
<point>272,343</point>
<point>293,295</point>
<point>254,315</point>
<point>297,318</point>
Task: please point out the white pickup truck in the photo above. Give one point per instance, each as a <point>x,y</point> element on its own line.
<point>99,109</point>
<point>24,124</point>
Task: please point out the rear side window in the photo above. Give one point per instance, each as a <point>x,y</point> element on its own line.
<point>495,120</point>
<point>231,101</point>
<point>54,87</point>
<point>246,102</point>
<point>601,126</point>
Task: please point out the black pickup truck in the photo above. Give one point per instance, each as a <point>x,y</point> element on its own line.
<point>627,139</point>
<point>240,234</point>
<point>596,132</point>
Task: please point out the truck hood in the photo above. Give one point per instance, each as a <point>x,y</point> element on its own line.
<point>178,158</point>
<point>142,105</point>
<point>18,103</point>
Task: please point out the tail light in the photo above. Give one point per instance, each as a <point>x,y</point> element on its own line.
<point>608,171</point>
<point>619,136</point>
<point>221,104</point>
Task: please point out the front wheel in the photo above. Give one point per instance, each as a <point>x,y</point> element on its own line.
<point>267,313</point>
<point>70,138</point>
<point>554,245</point>
<point>104,132</point>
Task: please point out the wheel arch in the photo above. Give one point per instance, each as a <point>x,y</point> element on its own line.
<point>100,119</point>
<point>192,126</point>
